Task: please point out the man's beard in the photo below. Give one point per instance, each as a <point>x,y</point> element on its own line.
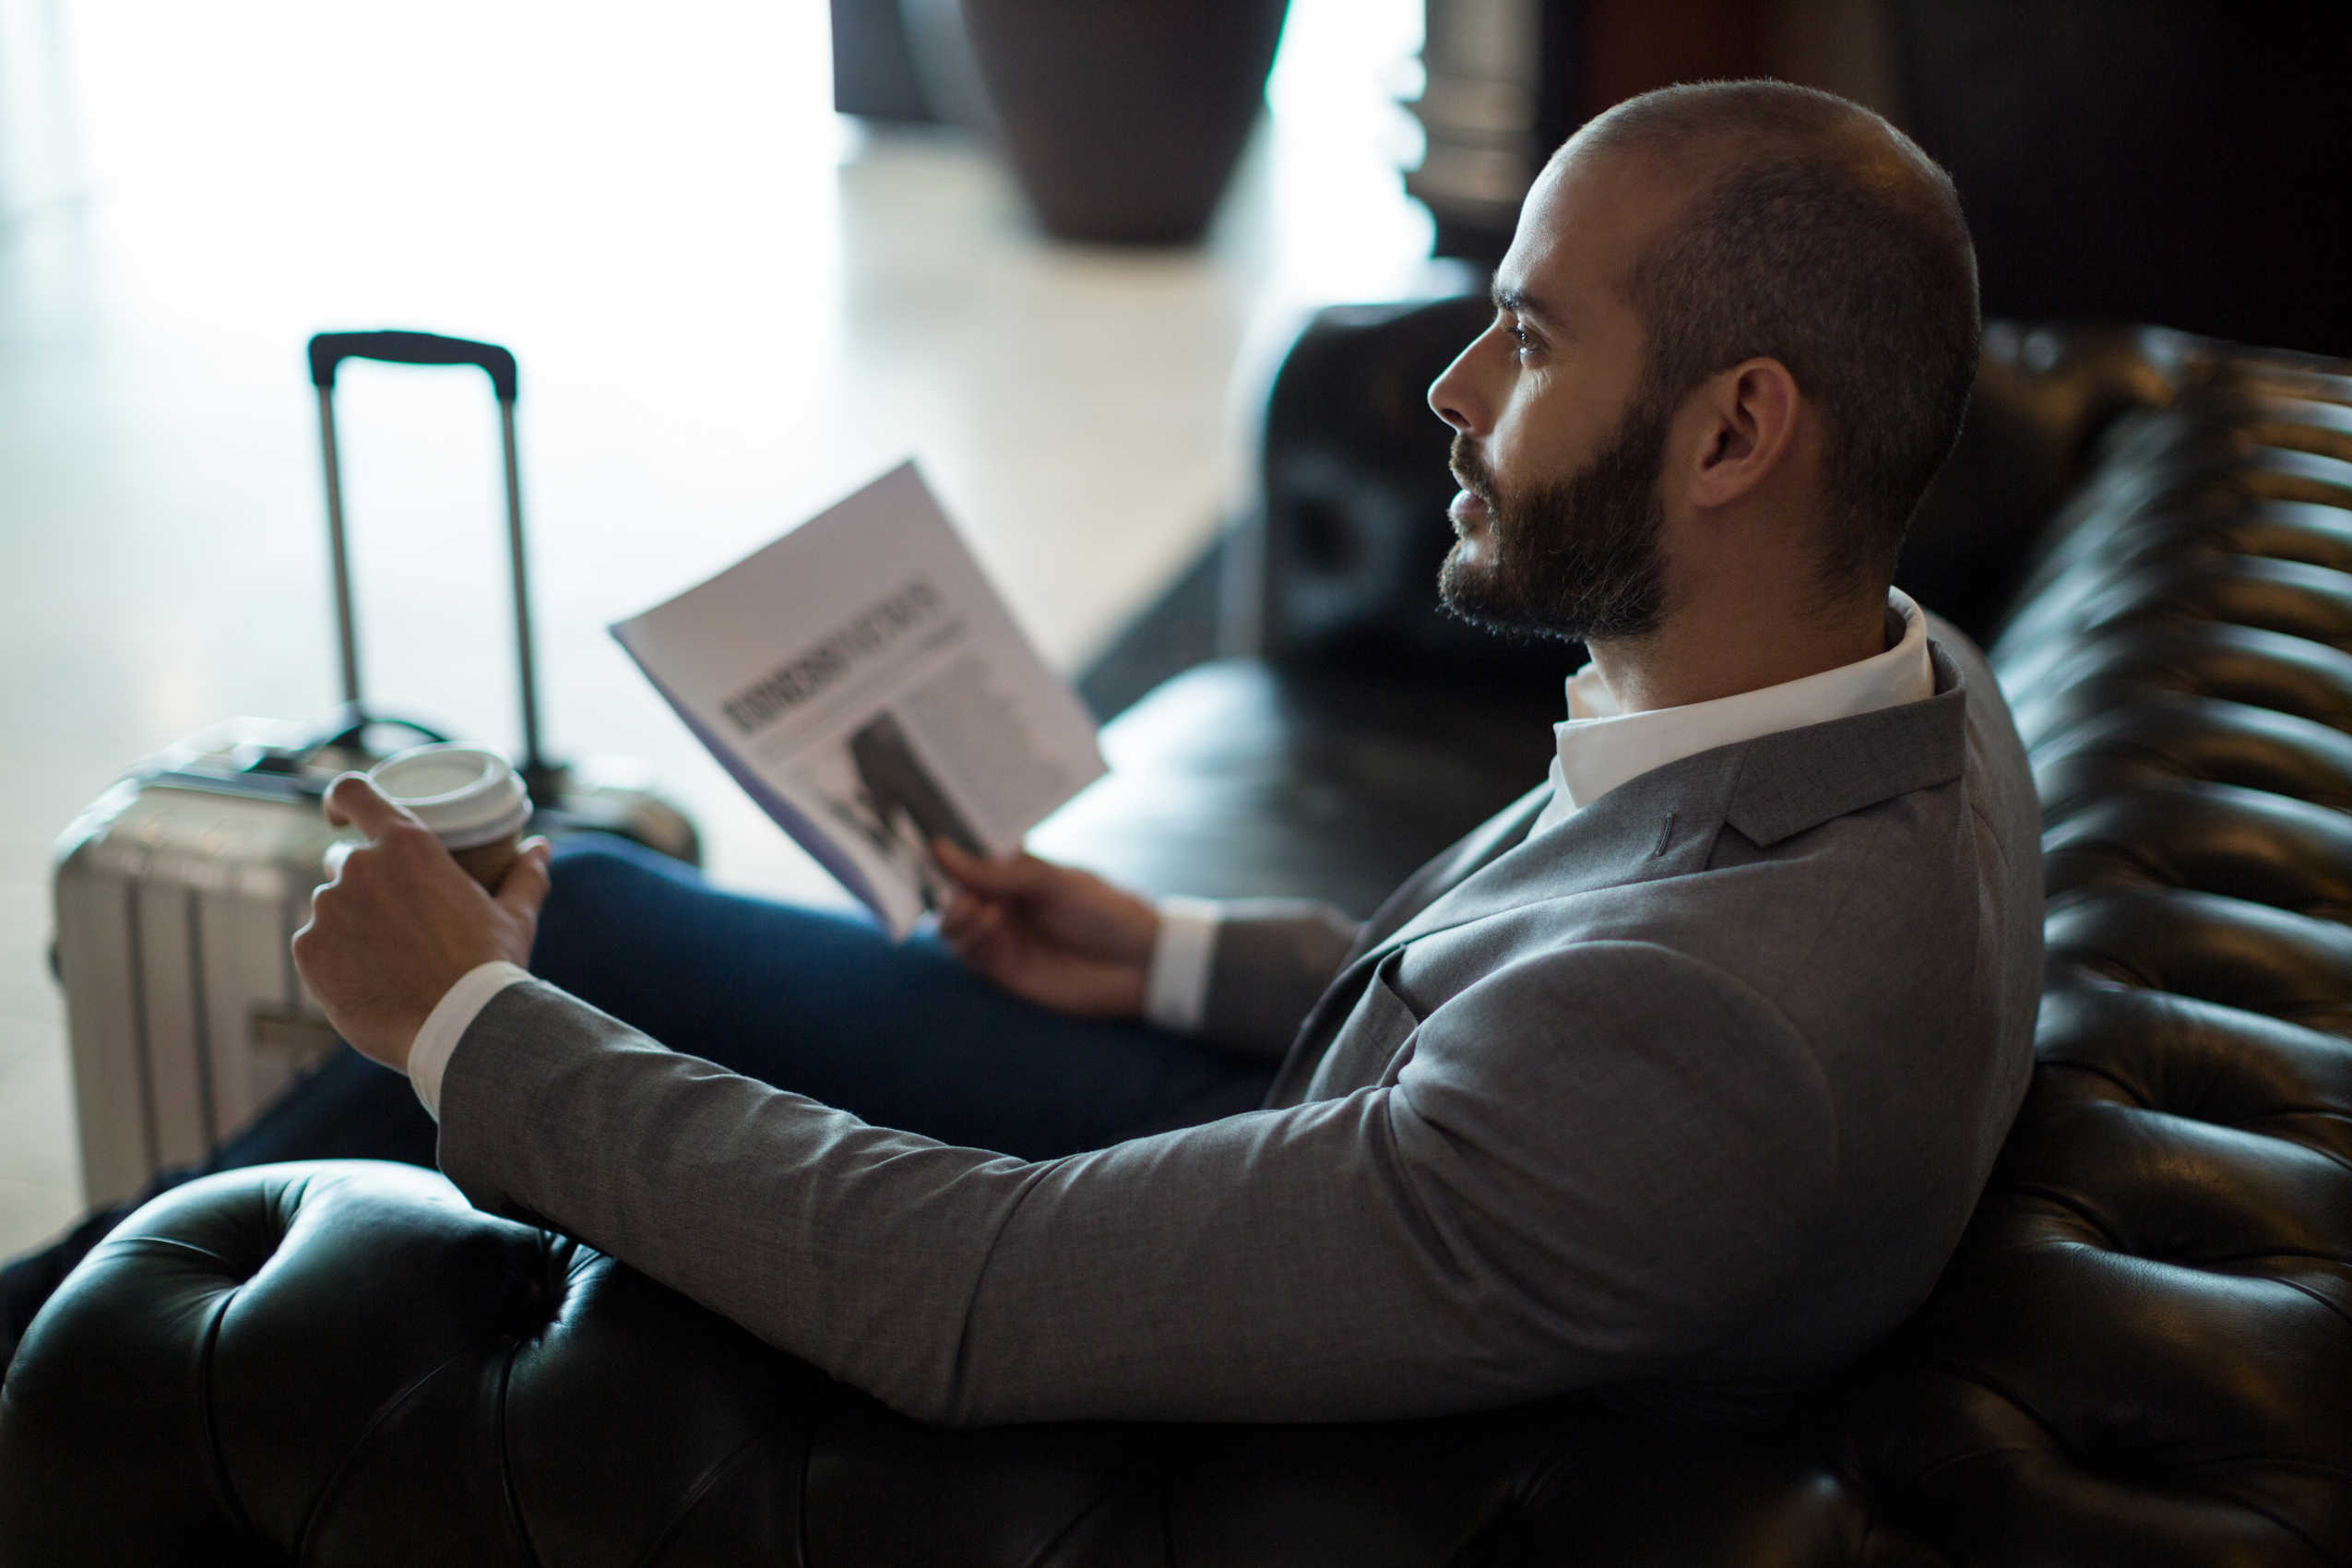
<point>1577,559</point>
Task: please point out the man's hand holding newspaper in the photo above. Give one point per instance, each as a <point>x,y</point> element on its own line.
<point>1050,935</point>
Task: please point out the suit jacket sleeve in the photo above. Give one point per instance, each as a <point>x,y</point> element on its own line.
<point>1566,1185</point>
<point>1272,958</point>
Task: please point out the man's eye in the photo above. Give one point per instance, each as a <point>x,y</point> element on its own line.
<point>1521,335</point>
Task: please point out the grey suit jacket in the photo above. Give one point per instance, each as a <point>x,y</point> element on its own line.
<point>1687,1098</point>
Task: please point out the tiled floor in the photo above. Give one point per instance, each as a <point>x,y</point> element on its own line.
<point>729,309</point>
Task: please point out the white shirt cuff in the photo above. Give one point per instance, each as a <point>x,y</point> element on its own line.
<point>1176,987</point>
<point>446,1024</point>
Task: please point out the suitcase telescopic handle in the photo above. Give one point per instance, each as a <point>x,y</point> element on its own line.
<point>327,352</point>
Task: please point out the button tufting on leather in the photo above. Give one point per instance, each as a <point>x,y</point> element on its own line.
<point>2220,838</point>
<point>2170,736</point>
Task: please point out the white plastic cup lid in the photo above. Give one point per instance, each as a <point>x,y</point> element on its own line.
<point>467,795</point>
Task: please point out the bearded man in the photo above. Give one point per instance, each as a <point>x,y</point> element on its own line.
<point>1675,1081</point>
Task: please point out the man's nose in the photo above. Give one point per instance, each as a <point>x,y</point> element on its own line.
<point>1452,397</point>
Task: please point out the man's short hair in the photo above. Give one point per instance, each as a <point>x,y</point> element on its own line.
<point>1822,238</point>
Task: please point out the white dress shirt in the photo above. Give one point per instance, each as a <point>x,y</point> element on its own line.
<point>1598,747</point>
<point>1602,746</point>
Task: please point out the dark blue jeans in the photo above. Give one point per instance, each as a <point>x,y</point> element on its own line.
<point>823,1004</point>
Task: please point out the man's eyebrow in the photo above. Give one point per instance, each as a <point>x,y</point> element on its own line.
<point>1518,301</point>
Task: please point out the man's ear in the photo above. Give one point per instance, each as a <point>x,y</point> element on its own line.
<point>1744,423</point>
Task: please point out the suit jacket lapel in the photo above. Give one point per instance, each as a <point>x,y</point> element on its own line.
<point>1477,850</point>
<point>1506,829</point>
<point>1497,868</point>
<point>1629,835</point>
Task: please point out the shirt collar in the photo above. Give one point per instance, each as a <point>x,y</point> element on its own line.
<point>1602,747</point>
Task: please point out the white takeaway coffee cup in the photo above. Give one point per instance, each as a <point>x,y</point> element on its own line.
<point>470,798</point>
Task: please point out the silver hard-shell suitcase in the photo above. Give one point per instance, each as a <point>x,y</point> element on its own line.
<point>178,891</point>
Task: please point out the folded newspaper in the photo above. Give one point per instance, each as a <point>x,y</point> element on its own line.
<point>862,680</point>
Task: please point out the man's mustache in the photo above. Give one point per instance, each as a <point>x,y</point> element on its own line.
<point>1470,471</point>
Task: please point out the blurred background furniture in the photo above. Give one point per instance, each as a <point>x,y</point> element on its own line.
<point>2138,1356</point>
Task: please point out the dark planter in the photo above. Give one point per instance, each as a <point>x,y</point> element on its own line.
<point>1122,119</point>
<point>940,51</point>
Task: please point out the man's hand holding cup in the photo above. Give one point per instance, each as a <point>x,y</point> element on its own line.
<point>401,922</point>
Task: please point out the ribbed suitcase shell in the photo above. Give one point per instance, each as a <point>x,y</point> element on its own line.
<point>176,907</point>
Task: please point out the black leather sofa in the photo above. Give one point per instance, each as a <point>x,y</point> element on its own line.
<point>2142,1353</point>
